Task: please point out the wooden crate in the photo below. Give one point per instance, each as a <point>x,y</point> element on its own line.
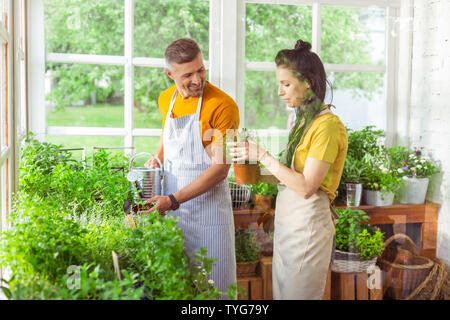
<point>353,286</point>
<point>253,288</point>
<point>265,271</point>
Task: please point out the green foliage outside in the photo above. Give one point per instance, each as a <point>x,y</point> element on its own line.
<point>354,234</point>
<point>69,214</point>
<point>247,247</point>
<point>97,27</point>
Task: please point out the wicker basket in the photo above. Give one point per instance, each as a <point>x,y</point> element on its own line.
<point>347,262</point>
<point>240,194</point>
<point>403,275</point>
<point>435,285</point>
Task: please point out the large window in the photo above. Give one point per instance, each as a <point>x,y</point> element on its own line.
<point>350,37</point>
<point>104,66</point>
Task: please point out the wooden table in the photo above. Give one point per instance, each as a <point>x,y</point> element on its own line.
<point>425,214</point>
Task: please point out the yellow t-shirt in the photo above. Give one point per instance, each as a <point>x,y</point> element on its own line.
<point>219,111</point>
<point>325,140</point>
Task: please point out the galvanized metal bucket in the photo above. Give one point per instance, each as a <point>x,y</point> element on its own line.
<point>148,180</point>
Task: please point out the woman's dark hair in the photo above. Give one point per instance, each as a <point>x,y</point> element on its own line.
<point>306,66</point>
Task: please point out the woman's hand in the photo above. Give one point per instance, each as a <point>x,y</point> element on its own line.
<point>246,151</point>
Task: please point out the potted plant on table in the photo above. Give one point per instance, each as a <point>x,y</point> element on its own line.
<point>263,193</point>
<point>245,172</point>
<point>381,179</point>
<point>358,244</point>
<point>415,171</point>
<point>248,251</point>
<point>361,143</point>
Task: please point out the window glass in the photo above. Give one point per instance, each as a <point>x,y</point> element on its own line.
<point>359,98</point>
<point>148,84</point>
<point>353,35</point>
<point>145,144</point>
<point>264,109</point>
<point>84,27</point>
<point>84,95</point>
<point>270,28</point>
<point>159,22</point>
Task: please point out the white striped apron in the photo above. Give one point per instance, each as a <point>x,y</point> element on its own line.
<point>207,220</point>
<point>302,245</point>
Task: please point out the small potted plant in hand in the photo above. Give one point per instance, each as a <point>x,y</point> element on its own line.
<point>246,172</point>
<point>263,193</point>
<point>415,171</point>
<point>358,244</point>
<point>248,251</point>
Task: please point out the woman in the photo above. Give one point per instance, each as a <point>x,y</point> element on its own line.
<point>311,170</point>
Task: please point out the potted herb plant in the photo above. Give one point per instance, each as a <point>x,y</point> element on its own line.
<point>358,244</point>
<point>415,171</point>
<point>360,144</point>
<point>245,172</point>
<point>381,180</point>
<point>248,251</point>
<point>263,193</point>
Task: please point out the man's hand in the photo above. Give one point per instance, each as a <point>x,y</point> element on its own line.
<point>162,204</point>
<point>152,163</point>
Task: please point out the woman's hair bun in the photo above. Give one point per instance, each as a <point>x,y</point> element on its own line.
<point>302,45</point>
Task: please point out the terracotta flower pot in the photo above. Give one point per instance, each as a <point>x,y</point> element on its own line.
<point>263,202</point>
<point>246,173</point>
<point>245,269</point>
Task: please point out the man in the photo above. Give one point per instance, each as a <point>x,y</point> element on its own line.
<point>196,116</point>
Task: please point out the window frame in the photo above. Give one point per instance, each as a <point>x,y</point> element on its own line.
<point>389,67</point>
<point>7,154</point>
<point>226,65</point>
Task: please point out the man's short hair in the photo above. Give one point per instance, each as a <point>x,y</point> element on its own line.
<point>181,51</point>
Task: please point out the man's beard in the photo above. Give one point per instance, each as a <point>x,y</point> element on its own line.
<point>197,92</point>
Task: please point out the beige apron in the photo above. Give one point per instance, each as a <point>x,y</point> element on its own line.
<point>303,241</point>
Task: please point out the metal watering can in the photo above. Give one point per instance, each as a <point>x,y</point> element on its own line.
<point>148,180</point>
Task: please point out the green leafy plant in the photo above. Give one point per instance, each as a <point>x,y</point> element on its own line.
<point>354,234</point>
<point>414,164</point>
<point>362,145</point>
<point>363,142</point>
<point>264,189</point>
<point>247,247</point>
<point>353,170</point>
<point>380,174</point>
<point>370,244</point>
<point>68,214</point>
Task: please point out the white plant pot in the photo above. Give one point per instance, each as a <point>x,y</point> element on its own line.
<point>413,191</point>
<point>375,198</point>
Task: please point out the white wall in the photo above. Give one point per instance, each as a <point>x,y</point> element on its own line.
<point>430,103</point>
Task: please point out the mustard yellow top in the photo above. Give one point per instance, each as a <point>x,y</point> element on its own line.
<point>325,140</point>
<point>219,111</point>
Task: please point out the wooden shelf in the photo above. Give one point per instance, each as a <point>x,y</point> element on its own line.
<point>425,214</point>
